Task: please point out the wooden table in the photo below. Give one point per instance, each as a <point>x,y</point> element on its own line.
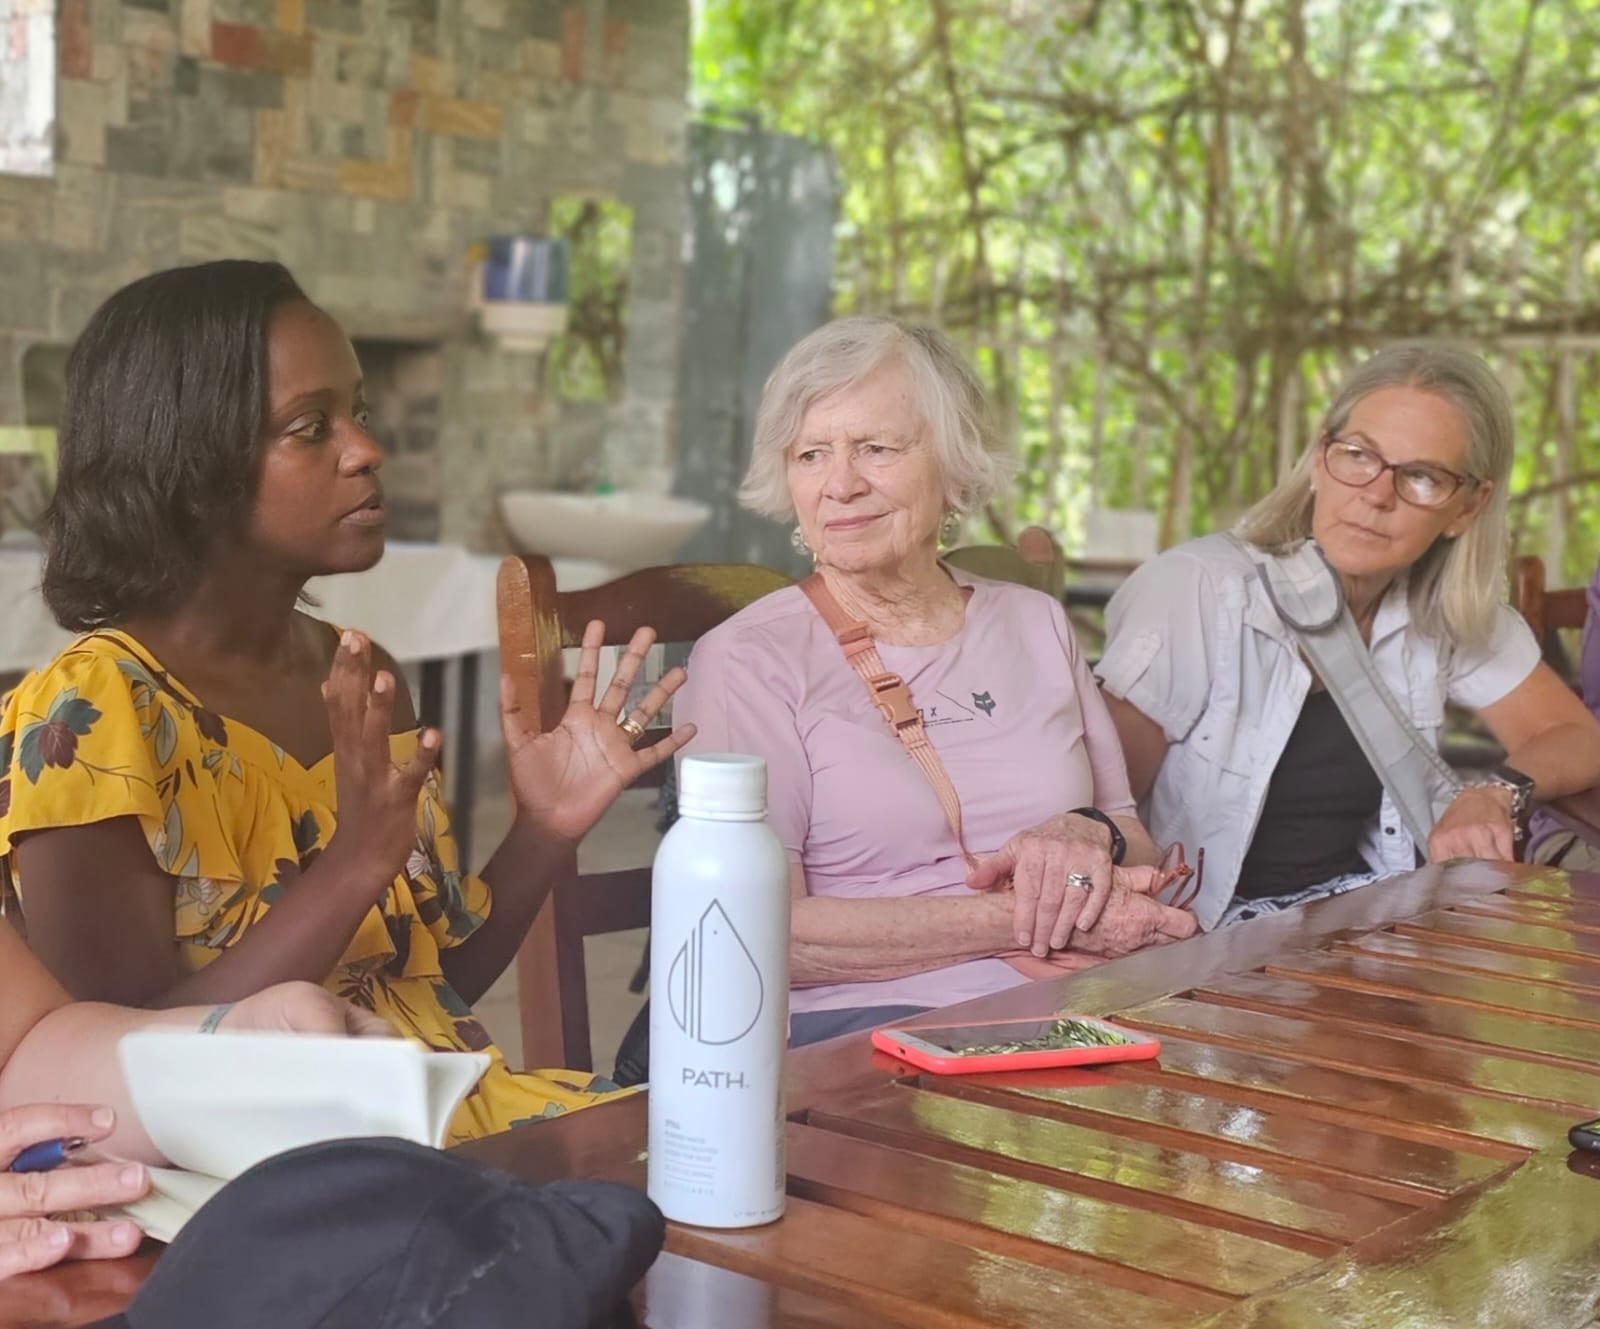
<point>1358,1118</point>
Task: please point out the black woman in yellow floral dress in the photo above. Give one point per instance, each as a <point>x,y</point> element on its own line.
<point>210,791</point>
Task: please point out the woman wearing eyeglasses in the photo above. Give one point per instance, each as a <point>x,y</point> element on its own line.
<point>1234,746</point>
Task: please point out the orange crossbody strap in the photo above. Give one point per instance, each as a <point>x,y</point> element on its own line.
<point>892,698</point>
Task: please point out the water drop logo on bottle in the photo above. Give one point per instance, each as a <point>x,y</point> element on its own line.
<point>735,981</point>
<point>719,1008</point>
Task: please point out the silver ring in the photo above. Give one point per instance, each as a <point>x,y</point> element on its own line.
<point>1081,880</point>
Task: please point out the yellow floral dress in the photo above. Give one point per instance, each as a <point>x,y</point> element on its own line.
<point>104,732</point>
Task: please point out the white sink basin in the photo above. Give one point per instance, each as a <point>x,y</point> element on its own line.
<point>624,530</point>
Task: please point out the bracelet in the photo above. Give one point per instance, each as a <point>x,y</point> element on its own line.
<point>1519,802</point>
<point>1119,842</point>
<point>214,1017</point>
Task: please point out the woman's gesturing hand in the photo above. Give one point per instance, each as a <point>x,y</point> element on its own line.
<point>29,1237</point>
<point>1037,864</point>
<point>377,800</point>
<point>564,780</point>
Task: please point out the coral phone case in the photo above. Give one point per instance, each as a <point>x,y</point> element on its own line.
<point>1016,1045</point>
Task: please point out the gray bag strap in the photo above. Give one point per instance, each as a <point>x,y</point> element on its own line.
<point>1310,601</point>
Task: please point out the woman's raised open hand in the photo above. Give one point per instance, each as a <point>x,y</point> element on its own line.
<point>564,780</point>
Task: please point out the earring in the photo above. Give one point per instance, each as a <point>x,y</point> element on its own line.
<point>798,540</point>
<point>950,527</point>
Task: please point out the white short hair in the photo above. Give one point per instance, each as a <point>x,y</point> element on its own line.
<point>974,461</point>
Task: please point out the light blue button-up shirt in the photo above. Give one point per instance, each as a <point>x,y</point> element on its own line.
<point>1194,644</point>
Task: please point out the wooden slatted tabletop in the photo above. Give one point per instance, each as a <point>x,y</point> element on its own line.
<point>1358,1118</point>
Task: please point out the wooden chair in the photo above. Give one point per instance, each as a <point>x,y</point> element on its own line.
<point>682,603</point>
<point>1548,612</point>
<point>1468,745</point>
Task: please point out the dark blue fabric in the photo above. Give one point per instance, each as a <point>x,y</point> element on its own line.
<point>816,1026</point>
<point>381,1234</point>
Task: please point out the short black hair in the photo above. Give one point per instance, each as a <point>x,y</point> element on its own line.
<point>166,398</point>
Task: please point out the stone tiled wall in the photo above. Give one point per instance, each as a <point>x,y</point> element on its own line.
<point>405,391</point>
<point>368,144</point>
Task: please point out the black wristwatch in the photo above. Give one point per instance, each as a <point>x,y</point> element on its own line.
<point>1119,842</point>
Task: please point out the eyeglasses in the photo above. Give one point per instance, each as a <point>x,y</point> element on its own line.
<point>1421,484</point>
<point>1173,870</point>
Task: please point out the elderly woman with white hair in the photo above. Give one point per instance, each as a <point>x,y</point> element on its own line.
<point>941,768</point>
<point>1252,735</point>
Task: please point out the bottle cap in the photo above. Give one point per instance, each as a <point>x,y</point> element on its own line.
<point>723,786</point>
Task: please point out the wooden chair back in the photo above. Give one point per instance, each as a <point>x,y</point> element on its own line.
<point>537,622</point>
<point>1548,612</point>
<point>1036,561</point>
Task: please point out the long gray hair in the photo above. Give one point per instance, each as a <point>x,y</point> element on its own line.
<point>1456,586</point>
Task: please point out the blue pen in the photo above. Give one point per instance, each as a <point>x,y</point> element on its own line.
<point>46,1155</point>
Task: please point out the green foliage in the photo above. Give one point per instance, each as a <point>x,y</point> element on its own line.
<point>1163,227</point>
<point>586,361</point>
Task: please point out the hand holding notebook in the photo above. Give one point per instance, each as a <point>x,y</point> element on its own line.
<point>217,1104</point>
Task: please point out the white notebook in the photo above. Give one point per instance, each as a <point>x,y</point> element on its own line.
<point>218,1104</point>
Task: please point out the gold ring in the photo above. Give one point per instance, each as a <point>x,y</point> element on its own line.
<point>631,727</point>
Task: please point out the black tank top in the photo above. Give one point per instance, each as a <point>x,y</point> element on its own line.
<point>1322,793</point>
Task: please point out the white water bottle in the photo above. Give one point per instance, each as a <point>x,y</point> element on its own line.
<point>719,1001</point>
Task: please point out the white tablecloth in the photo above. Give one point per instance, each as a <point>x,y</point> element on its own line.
<point>422,601</point>
<point>28,635</point>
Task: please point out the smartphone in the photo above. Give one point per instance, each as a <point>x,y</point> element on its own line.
<point>1585,1135</point>
<point>1017,1045</point>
